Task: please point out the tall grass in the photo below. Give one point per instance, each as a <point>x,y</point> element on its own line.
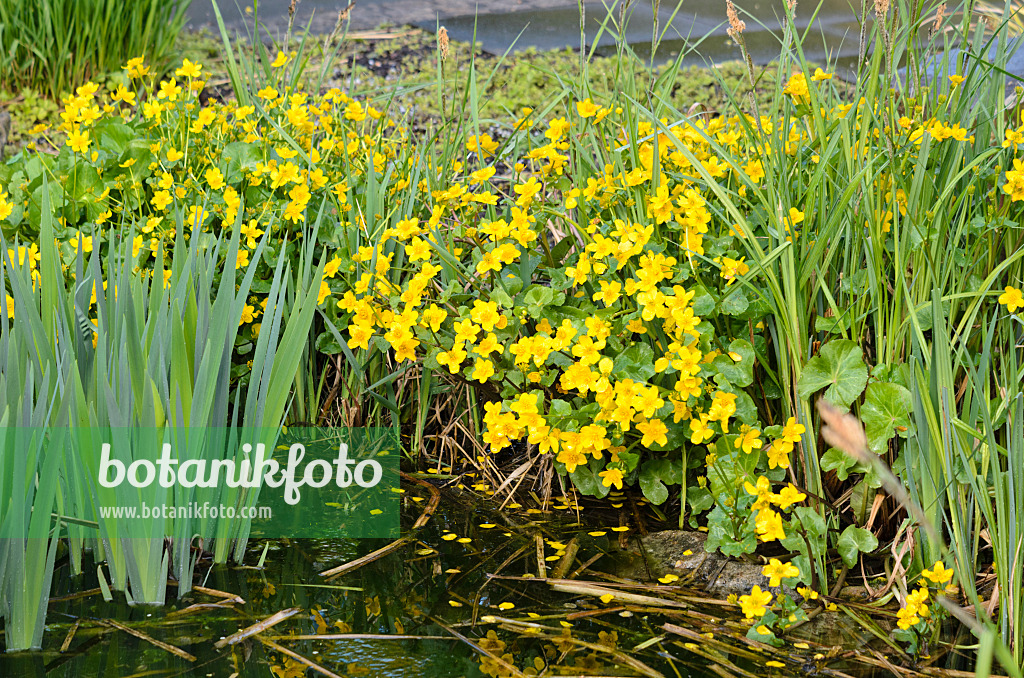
<point>53,46</point>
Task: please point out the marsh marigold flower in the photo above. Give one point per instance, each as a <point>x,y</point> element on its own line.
<point>776,571</point>
<point>938,574</point>
<point>754,604</point>
<point>1012,298</point>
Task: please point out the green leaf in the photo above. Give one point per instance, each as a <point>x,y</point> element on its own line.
<point>839,367</point>
<point>833,325</point>
<point>588,482</point>
<point>886,411</point>
<point>735,302</point>
<point>853,541</point>
<point>698,499</point>
<point>741,373</point>
<point>838,461</point>
<point>655,474</point>
<point>636,363</point>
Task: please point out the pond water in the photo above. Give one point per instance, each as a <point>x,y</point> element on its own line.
<point>474,592</point>
<point>409,594</point>
<point>546,24</point>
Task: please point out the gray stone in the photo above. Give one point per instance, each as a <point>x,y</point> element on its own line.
<point>682,553</point>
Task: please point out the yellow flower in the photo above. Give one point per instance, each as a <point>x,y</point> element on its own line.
<point>776,571</point>
<point>749,441</point>
<point>769,525</point>
<point>938,574</point>
<point>778,454</point>
<point>483,370</point>
<point>1012,298</point>
<point>280,60</point>
<point>78,140</point>
<point>359,336</point>
<point>248,314</point>
<point>654,432</point>
<point>820,75</point>
<point>188,70</point>
<point>6,207</point>
<point>586,108</point>
<point>86,242</point>
<point>797,87</point>
<point>956,79</point>
<point>701,432</point>
<point>214,178</point>
<point>135,68</point>
<point>754,604</point>
<point>792,431</point>
<point>123,94</point>
<point>611,476</point>
<point>788,496</point>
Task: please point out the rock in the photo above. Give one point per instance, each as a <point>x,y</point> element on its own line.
<point>682,553</point>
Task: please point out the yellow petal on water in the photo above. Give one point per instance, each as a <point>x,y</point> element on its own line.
<point>533,615</point>
<point>487,526</point>
<point>802,646</point>
<point>376,512</point>
<point>454,603</point>
<point>425,552</point>
<point>453,570</point>
<point>687,552</point>
<point>565,624</point>
<point>775,665</point>
<point>668,579</point>
<point>506,606</point>
<point>550,558</point>
<point>607,598</point>
<point>599,533</point>
<point>622,528</point>
<point>691,646</point>
<point>450,536</point>
<point>465,540</point>
<point>417,498</point>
